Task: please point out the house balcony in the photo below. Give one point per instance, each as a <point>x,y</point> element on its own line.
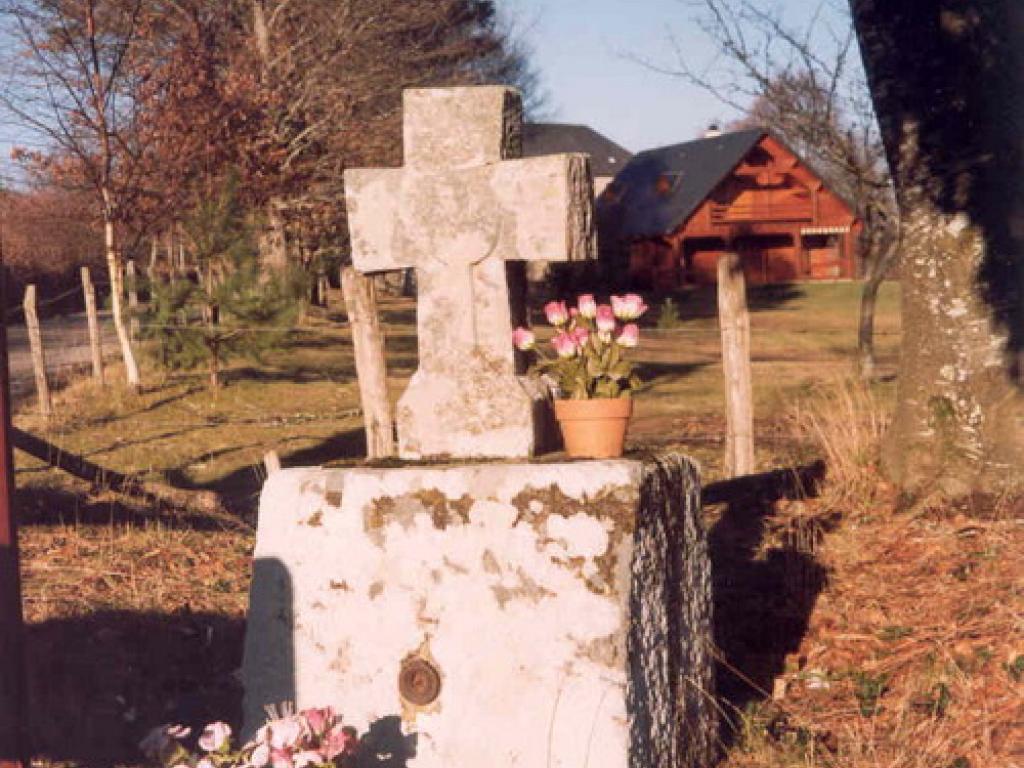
<point>746,212</point>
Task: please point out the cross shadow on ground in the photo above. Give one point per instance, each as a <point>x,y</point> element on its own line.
<point>764,587</point>
<point>239,490</point>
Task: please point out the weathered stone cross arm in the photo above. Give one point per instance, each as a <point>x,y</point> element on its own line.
<point>539,212</point>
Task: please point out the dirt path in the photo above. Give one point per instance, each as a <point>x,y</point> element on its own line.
<point>65,343</point>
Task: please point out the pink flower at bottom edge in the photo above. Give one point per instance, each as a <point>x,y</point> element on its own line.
<point>281,758</point>
<point>214,736</point>
<point>260,756</point>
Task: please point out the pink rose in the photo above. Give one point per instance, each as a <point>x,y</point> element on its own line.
<point>581,336</point>
<point>524,339</point>
<point>564,344</point>
<point>319,720</point>
<point>339,741</point>
<point>630,336</point>
<point>556,313</point>
<point>281,758</point>
<point>628,307</point>
<point>214,736</point>
<point>205,763</point>
<point>587,305</point>
<point>260,756</point>
<point>605,319</point>
<point>286,732</point>
<point>178,732</point>
<point>307,758</point>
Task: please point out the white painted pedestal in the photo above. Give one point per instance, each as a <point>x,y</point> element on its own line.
<point>566,607</point>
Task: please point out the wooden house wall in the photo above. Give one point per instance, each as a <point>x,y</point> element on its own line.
<point>760,211</point>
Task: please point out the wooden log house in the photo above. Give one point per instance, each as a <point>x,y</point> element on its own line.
<point>673,211</point>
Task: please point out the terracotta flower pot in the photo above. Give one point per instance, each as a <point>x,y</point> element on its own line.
<point>594,429</point>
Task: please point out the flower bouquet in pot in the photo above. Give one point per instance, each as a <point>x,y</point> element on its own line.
<point>594,378</point>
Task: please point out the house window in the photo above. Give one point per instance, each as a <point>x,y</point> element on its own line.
<point>666,183</point>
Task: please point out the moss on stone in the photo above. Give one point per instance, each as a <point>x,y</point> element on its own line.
<point>613,504</point>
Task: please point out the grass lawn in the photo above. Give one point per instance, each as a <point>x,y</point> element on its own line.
<point>302,401</point>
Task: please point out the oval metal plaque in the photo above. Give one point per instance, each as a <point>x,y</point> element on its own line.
<point>419,682</point>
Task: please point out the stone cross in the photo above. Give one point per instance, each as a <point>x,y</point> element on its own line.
<point>458,210</point>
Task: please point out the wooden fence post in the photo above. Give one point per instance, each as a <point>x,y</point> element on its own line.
<point>95,340</point>
<point>271,462</point>
<point>734,321</point>
<point>35,341</point>
<point>133,300</point>
<point>13,714</point>
<point>371,370</point>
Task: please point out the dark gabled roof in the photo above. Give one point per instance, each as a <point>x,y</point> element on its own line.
<point>606,157</point>
<point>692,170</point>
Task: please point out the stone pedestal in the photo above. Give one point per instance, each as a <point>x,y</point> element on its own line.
<point>543,615</point>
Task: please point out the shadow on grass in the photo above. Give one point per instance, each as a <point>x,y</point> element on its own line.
<point>97,683</point>
<point>50,505</point>
<point>240,488</point>
<point>701,302</point>
<point>649,371</point>
<point>763,596</point>
<point>295,374</point>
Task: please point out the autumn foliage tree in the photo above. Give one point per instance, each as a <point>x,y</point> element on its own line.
<point>150,104</point>
<point>72,82</point>
<point>332,76</point>
<point>48,232</point>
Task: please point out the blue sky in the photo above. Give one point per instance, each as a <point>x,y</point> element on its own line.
<point>586,50</point>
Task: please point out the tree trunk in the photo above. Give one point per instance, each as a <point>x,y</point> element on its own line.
<point>131,368</point>
<point>273,242</point>
<point>946,82</point>
<point>58,456</point>
<point>133,301</point>
<point>371,369</point>
<point>261,32</point>
<point>154,256</point>
<point>879,270</point>
<point>172,262</point>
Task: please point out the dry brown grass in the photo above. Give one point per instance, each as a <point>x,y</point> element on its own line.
<point>913,654</point>
<point>843,421</point>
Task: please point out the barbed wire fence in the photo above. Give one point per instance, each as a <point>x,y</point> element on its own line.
<point>677,352</point>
